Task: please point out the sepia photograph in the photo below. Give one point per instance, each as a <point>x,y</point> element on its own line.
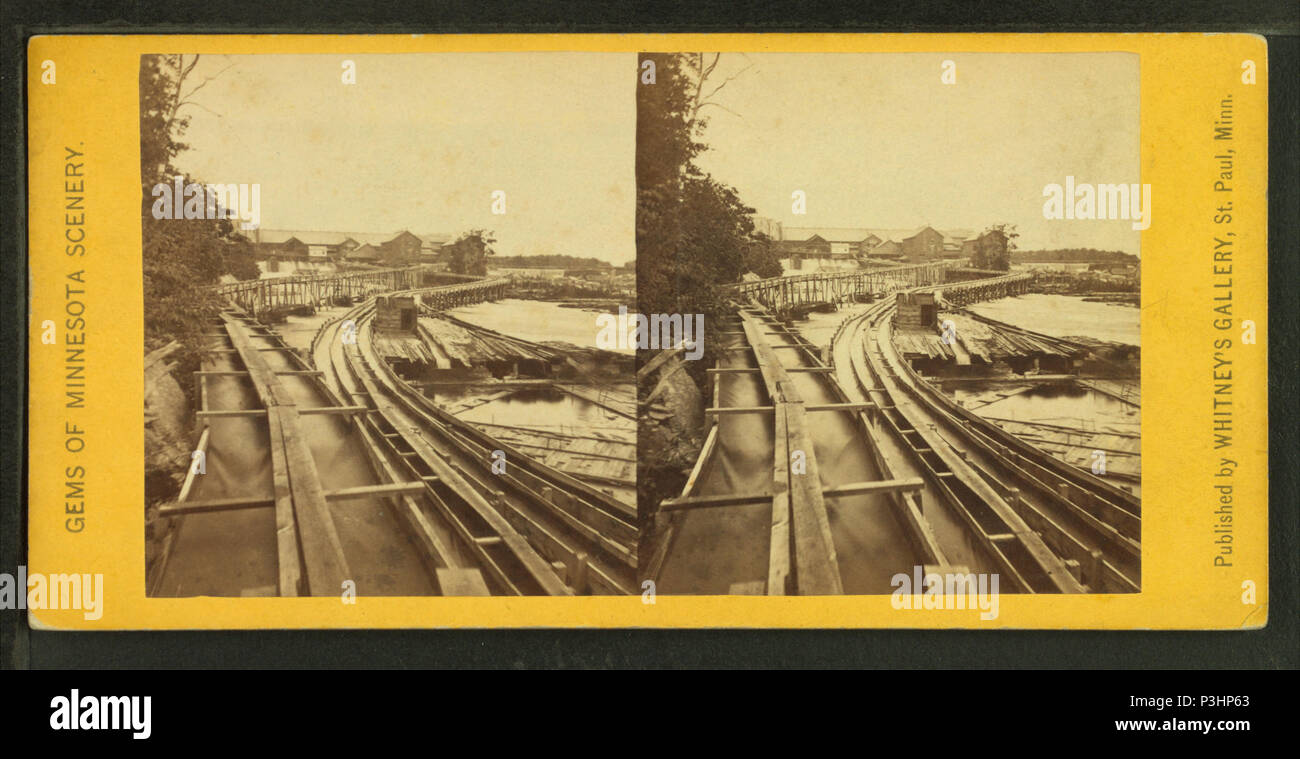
<point>482,338</point>
<point>382,296</point>
<point>919,277</point>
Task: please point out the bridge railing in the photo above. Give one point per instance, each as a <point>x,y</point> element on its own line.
<point>972,290</point>
<point>244,285</point>
<point>777,292</point>
<point>259,295</point>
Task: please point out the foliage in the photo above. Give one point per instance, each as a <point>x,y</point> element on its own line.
<point>550,262</point>
<point>468,253</point>
<point>694,234</point>
<point>762,257</point>
<point>994,246</point>
<point>1075,255</point>
<point>181,257</point>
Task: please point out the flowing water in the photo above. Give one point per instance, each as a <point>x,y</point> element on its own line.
<point>544,321</point>
<point>1063,403</point>
<point>1066,316</point>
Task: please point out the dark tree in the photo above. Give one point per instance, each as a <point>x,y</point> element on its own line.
<point>182,258</point>
<point>993,248</point>
<point>468,253</point>
<point>762,257</point>
<point>694,234</point>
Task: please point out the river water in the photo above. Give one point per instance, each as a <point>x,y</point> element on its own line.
<point>546,409</point>
<point>543,321</point>
<point>1066,316</point>
<point>820,328</point>
<point>1060,403</point>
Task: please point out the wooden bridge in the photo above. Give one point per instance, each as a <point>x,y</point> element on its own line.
<point>780,293</point>
<point>998,285</point>
<point>258,296</point>
<point>467,293</point>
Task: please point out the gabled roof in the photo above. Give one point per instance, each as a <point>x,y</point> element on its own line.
<point>303,236</point>
<point>896,235</point>
<point>827,234</point>
<point>404,233</point>
<point>921,229</point>
<point>366,251</point>
<point>309,237</point>
<point>861,234</point>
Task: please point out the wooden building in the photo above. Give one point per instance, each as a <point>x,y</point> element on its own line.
<point>396,314</point>
<point>925,245</point>
<point>401,248</point>
<point>917,310</point>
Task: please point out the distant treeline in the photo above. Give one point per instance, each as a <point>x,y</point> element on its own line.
<point>549,262</point>
<point>1073,256</point>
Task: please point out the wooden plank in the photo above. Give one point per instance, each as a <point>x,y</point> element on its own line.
<point>816,567</point>
<point>288,559</point>
<point>223,413</point>
<point>714,501</point>
<point>190,473</point>
<point>659,360</point>
<point>366,491</point>
<point>321,549</point>
<point>333,410</point>
<point>286,523</point>
<point>779,543</point>
<point>908,485</point>
<point>729,410</point>
<point>208,505</point>
<point>706,451</point>
<point>856,406</point>
<point>754,370</point>
<point>814,563</point>
<point>779,561</point>
<point>903,485</point>
<point>203,396</point>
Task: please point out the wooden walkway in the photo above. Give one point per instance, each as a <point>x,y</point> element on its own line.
<point>780,293</point>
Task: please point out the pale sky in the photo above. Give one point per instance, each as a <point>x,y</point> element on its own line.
<point>875,140</point>
<point>420,142</point>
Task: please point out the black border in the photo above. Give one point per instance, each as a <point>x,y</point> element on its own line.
<point>1276,646</point>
